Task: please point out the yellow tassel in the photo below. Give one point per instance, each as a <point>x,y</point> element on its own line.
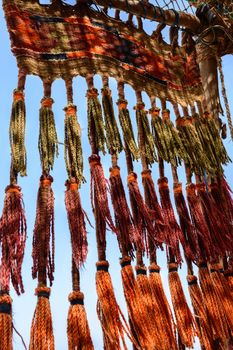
<point>185,321</point>
<point>42,329</point>
<point>5,322</point>
<point>78,331</point>
<point>164,311</point>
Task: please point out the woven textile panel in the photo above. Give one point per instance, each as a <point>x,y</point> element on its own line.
<point>63,42</point>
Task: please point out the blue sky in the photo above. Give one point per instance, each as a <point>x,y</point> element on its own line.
<point>24,306</point>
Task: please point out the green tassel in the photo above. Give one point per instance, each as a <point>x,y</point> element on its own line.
<point>127,128</point>
<point>113,139</point>
<point>94,112</point>
<point>174,146</point>
<point>144,127</point>
<point>157,133</point>
<point>17,134</point>
<point>72,144</point>
<point>48,142</point>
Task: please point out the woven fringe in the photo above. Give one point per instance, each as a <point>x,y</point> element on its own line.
<point>17,134</point>
<point>185,322</point>
<point>13,234</point>
<point>6,328</point>
<point>78,331</point>
<point>42,329</point>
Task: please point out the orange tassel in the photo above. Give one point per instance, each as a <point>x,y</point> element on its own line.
<point>78,331</point>
<point>198,303</point>
<point>223,291</point>
<point>6,328</point>
<point>42,329</point>
<point>185,321</point>
<point>213,304</point>
<point>164,312</point>
<point>112,320</point>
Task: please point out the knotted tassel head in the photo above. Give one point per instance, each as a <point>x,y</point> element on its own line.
<point>112,320</point>
<point>185,321</point>
<point>72,143</point>
<point>77,226</point>
<point>41,336</point>
<point>198,303</point>
<point>6,328</point>
<point>164,311</point>
<point>43,234</point>
<point>214,306</point>
<point>13,234</point>
<point>128,235</point>
<point>95,119</point>
<point>48,142</point>
<point>17,134</point>
<point>78,331</point>
<point>127,128</point>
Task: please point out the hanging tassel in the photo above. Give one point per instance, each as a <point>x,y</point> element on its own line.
<point>157,132</point>
<point>185,322</point>
<point>72,144</point>
<point>13,234</point>
<point>78,331</point>
<point>77,224</point>
<point>44,231</point>
<point>224,293</point>
<point>142,118</point>
<point>128,233</point>
<point>42,329</point>
<point>48,142</point>
<point>6,328</point>
<point>189,137</point>
<point>153,203</point>
<point>213,130</point>
<point>218,227</point>
<point>136,308</point>
<point>207,249</point>
<point>215,312</point>
<point>174,234</point>
<point>198,303</point>
<point>127,128</point>
<point>175,151</point>
<point>190,232</point>
<point>94,112</point>
<point>164,312</point>
<point>99,191</point>
<point>113,139</point>
<point>151,307</point>
<point>17,134</point>
<point>109,313</point>
<point>226,200</point>
<point>145,216</point>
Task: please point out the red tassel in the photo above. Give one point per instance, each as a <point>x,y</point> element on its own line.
<point>100,194</point>
<point>227,200</point>
<point>190,232</point>
<point>205,242</point>
<point>13,233</point>
<point>145,216</point>
<point>174,234</point>
<point>215,220</point>
<point>77,224</point>
<point>128,233</point>
<point>44,225</point>
<point>159,224</point>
